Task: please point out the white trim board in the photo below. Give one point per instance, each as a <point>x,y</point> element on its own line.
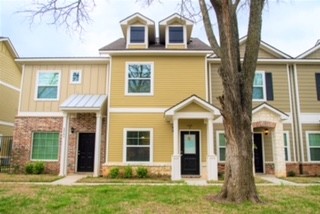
<point>4,123</point>
<point>9,86</point>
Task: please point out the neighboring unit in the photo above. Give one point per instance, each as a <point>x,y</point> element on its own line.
<point>151,101</point>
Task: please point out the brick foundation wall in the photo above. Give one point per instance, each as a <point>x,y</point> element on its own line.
<point>311,169</point>
<point>269,168</point>
<point>25,126</point>
<point>293,167</point>
<point>155,170</point>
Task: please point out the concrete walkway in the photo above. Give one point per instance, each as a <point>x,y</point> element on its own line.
<point>72,180</point>
<point>69,180</point>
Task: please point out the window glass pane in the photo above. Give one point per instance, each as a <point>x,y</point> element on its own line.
<point>45,146</point>
<point>131,134</point>
<point>285,139</point>
<point>138,153</point>
<point>315,154</point>
<point>137,34</point>
<point>139,86</point>
<point>222,140</point>
<point>257,93</point>
<point>176,34</point>
<point>48,78</point>
<point>50,92</point>
<point>314,139</point>
<point>222,154</point>
<point>286,154</point>
<point>139,71</point>
<point>258,81</point>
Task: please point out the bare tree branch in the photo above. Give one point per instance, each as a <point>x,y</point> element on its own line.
<point>73,14</point>
<point>208,27</point>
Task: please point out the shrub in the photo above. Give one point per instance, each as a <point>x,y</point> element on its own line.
<point>127,172</point>
<point>142,172</point>
<point>35,168</point>
<point>114,172</point>
<point>291,174</point>
<point>29,168</point>
<point>38,168</point>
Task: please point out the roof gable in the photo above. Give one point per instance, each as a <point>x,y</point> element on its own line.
<point>266,51</point>
<point>10,46</point>
<point>193,103</point>
<point>312,53</point>
<point>266,106</point>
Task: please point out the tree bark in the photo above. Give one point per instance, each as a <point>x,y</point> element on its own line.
<point>236,101</point>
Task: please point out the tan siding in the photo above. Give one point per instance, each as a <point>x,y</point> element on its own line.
<point>175,78</point>
<point>9,100</point>
<point>93,82</point>
<point>171,46</point>
<point>314,55</point>
<point>136,46</point>
<point>193,107</point>
<point>6,130</point>
<point>162,131</point>
<point>280,86</point>
<point>307,88</point>
<point>262,54</point>
<point>305,128</point>
<point>9,71</point>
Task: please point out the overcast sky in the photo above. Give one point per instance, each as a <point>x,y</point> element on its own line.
<point>292,26</point>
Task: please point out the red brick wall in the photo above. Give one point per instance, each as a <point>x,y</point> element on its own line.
<point>22,139</point>
<point>311,169</point>
<point>25,126</point>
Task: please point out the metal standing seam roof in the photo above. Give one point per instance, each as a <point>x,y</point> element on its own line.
<point>84,102</point>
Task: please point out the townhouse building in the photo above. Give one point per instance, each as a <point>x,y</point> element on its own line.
<point>150,100</point>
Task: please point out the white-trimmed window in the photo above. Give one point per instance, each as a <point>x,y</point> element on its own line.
<point>138,145</point>
<point>258,92</point>
<point>176,34</point>
<point>286,146</point>
<point>45,146</point>
<point>313,140</point>
<point>139,78</point>
<point>221,146</point>
<point>48,85</point>
<point>75,76</point>
<point>137,34</point>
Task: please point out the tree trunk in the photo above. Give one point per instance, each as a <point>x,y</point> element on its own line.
<point>236,101</point>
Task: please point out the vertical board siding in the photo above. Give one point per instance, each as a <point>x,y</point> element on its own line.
<point>175,78</point>
<point>307,88</point>
<point>93,82</point>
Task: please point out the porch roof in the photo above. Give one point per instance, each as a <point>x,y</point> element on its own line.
<point>209,108</point>
<point>79,102</point>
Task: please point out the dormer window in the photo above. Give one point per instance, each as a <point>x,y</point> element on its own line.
<point>176,35</point>
<point>137,34</point>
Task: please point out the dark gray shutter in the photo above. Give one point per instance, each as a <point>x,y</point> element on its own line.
<point>318,85</point>
<point>269,86</point>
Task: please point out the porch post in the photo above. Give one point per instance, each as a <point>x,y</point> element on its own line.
<point>278,151</point>
<point>97,147</point>
<point>212,163</point>
<point>175,165</point>
<point>64,145</point>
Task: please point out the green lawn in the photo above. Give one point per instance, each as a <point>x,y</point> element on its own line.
<point>149,199</point>
<point>305,180</point>
<point>5,177</point>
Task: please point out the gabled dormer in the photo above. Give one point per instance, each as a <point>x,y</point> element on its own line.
<point>138,31</point>
<point>175,31</point>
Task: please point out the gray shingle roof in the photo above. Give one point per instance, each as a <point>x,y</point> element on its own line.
<point>120,44</point>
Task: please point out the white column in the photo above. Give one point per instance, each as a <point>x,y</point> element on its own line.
<point>278,151</point>
<point>176,162</point>
<point>97,147</point>
<point>64,145</point>
<point>212,163</point>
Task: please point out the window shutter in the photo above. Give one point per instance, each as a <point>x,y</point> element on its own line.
<point>269,86</point>
<point>318,85</point>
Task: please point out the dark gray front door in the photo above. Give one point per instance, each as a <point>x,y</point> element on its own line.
<point>86,152</point>
<point>190,160</point>
<point>258,153</point>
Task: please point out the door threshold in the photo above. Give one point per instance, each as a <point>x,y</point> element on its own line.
<point>190,176</point>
